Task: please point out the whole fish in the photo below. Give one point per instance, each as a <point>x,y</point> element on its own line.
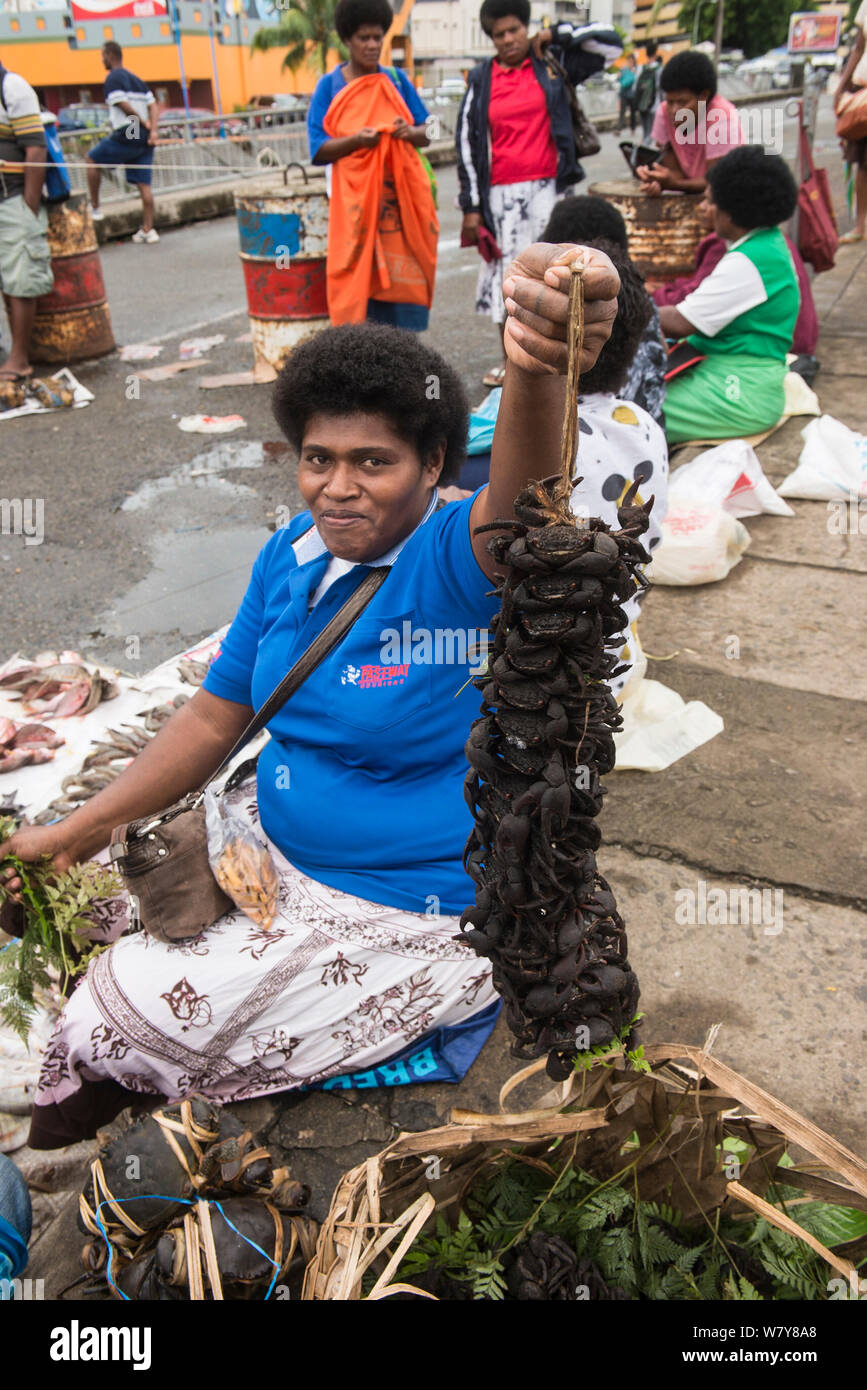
<point>37,735</point>
<point>75,700</point>
<point>24,757</point>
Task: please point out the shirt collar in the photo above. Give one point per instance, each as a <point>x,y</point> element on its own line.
<point>733,245</point>
<point>311,545</point>
<point>504,67</point>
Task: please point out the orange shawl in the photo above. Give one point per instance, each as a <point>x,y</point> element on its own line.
<point>382,232</point>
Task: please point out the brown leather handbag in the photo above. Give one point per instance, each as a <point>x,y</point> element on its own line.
<point>584,132</point>
<point>163,859</point>
<point>852,115</point>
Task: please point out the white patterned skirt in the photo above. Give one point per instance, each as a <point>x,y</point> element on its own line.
<point>336,985</point>
<point>520,212</point>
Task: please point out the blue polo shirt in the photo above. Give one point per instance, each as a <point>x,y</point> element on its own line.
<point>361,782</point>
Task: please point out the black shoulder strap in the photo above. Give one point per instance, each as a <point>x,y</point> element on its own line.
<point>325,641</point>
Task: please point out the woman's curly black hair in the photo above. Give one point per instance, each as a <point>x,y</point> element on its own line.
<point>593,221</point>
<point>350,15</point>
<point>754,188</point>
<point>376,370</point>
<point>634,311</point>
<point>492,10</point>
<point>583,218</point>
<point>689,72</point>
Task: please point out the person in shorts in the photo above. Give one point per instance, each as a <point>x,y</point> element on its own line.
<point>25,258</point>
<point>131,142</point>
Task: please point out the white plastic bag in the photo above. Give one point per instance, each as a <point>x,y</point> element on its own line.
<point>832,465</point>
<point>730,475</point>
<point>659,727</point>
<point>700,544</point>
<point>241,862</point>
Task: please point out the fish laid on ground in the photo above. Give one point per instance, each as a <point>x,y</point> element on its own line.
<point>57,688</point>
<point>192,671</point>
<point>15,758</point>
<point>36,735</point>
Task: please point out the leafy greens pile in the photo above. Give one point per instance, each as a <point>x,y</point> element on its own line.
<point>521,1235</point>
<point>58,920</point>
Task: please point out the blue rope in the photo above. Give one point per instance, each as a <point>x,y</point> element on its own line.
<point>255,1247</point>
<point>158,1197</point>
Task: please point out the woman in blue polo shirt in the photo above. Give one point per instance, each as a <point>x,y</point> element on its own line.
<point>360,790</point>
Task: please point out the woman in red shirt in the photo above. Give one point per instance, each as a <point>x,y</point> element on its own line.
<point>516,150</point>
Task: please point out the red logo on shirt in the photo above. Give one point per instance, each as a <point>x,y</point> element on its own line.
<point>370,677</point>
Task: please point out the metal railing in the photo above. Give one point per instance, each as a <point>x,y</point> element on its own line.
<point>252,142</point>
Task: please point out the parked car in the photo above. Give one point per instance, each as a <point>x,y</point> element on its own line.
<point>204,124</point>
<point>278,108</point>
<point>451,89</point>
<point>83,115</point>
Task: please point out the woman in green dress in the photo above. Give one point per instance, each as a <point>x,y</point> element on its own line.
<point>742,317</point>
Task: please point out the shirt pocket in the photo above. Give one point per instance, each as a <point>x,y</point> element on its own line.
<point>373,683</point>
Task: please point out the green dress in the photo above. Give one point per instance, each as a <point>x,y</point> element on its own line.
<point>738,389</point>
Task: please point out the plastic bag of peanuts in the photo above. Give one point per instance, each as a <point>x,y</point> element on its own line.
<point>241,862</point>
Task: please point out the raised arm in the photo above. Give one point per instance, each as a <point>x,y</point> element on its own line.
<point>530,420</point>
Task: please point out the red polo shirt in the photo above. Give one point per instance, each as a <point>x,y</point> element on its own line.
<point>522,146</point>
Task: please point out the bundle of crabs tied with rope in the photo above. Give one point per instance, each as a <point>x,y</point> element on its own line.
<point>543,914</point>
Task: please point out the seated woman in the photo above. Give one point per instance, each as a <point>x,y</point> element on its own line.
<point>742,317</point>
<point>366,123</point>
<point>619,442</point>
<point>694,126</point>
<point>587,219</point>
<point>360,789</point>
<point>709,253</point>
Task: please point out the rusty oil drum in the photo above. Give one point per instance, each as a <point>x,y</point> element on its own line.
<point>72,322</point>
<point>284,239</point>
<point>663,231</point>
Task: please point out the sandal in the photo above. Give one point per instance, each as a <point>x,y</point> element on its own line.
<point>16,376</point>
<point>494,377</point>
<point>850,238</point>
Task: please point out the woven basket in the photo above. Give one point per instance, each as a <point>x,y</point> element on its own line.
<point>682,1110</point>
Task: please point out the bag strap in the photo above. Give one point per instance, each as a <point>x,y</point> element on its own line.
<point>806,154</point>
<point>323,643</point>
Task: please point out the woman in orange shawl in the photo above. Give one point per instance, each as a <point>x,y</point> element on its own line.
<point>368,123</point>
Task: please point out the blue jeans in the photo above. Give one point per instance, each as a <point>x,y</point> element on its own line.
<point>15,1221</point>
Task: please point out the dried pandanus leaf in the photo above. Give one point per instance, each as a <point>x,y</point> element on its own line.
<point>543,914</point>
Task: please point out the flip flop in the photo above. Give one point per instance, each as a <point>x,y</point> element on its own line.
<point>850,238</point>
<point>494,377</point>
<point>16,376</point>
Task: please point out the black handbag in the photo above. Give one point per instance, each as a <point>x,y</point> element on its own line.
<point>584,132</point>
<point>163,859</point>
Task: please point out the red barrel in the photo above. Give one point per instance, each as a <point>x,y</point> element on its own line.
<point>72,322</point>
<point>284,239</point>
<point>296,292</point>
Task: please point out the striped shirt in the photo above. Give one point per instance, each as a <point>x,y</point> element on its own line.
<point>20,127</point>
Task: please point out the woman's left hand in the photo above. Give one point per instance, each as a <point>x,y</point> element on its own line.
<point>401,130</point>
<point>536,292</point>
<point>540,41</point>
<point>658,174</point>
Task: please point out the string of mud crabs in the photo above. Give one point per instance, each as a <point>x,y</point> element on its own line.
<point>543,914</point>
